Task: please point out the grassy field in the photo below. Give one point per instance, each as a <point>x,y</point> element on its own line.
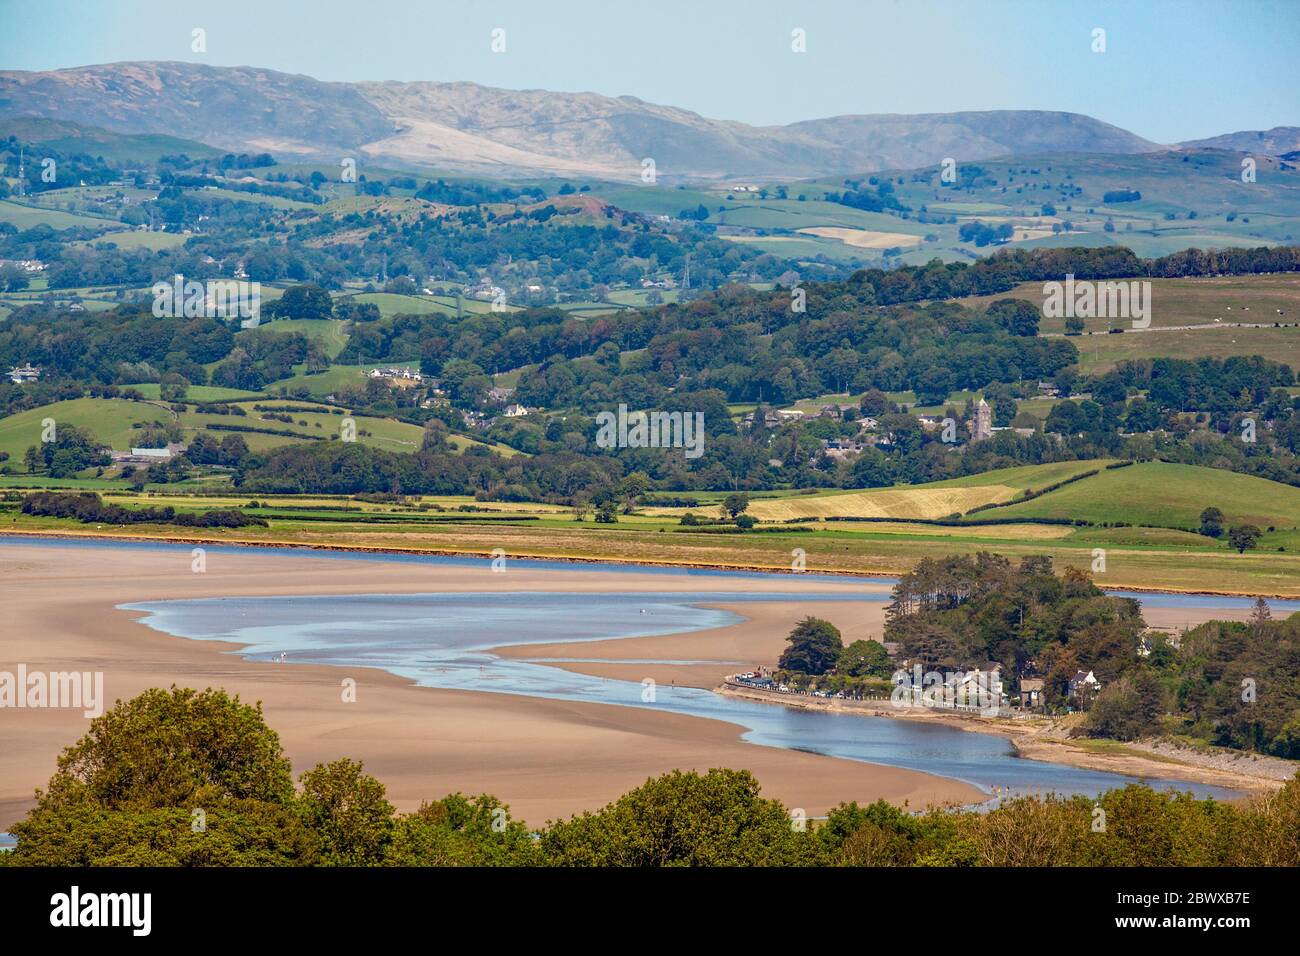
<point>331,380</point>
<point>1215,307</point>
<point>1201,301</point>
<point>1208,568</point>
<point>1098,353</point>
<point>803,247</point>
<point>392,303</point>
<point>135,239</point>
<point>927,502</point>
<point>638,297</point>
<point>262,199</point>
<point>26,217</point>
<point>1161,494</point>
<point>329,334</point>
<point>195,393</point>
<point>109,419</point>
<point>113,421</point>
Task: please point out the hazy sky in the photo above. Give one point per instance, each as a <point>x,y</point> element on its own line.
<point>1171,71</point>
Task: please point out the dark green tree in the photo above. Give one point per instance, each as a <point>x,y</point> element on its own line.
<point>815,646</point>
<point>349,812</point>
<point>864,659</point>
<point>1243,537</point>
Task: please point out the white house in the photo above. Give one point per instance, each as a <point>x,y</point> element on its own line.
<point>1087,683</point>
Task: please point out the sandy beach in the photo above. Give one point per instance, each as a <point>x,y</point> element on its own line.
<point>545,758</point>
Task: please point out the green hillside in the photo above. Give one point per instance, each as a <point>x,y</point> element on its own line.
<point>108,419</point>
<point>1161,494</point>
<point>111,421</point>
<point>1025,476</point>
<point>67,137</point>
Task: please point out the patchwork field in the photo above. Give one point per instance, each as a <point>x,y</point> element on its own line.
<point>885,503</point>
<point>1138,555</point>
<point>902,503</point>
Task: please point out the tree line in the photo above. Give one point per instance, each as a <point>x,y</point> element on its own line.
<point>197,778</point>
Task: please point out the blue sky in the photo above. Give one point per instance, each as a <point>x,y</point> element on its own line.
<point>1171,70</point>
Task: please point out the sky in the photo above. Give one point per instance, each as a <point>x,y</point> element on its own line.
<point>1170,71</point>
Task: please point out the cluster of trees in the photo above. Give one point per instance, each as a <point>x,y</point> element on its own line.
<point>1121,195</point>
<point>347,467</point>
<point>89,508</point>
<point>1242,537</point>
<point>1007,268</point>
<point>47,167</point>
<point>1230,683</point>
<point>197,778</point>
<point>1227,683</point>
<point>961,612</point>
<point>817,650</point>
<point>72,450</point>
<point>204,449</point>
<point>982,234</point>
<point>106,347</point>
<point>750,346</point>
<point>1219,386</point>
<point>261,356</point>
<point>876,195</point>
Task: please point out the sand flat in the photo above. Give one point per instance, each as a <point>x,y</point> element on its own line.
<point>715,653</point>
<point>545,758</point>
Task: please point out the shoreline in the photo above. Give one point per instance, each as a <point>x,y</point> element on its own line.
<point>546,758</point>
<point>1031,739</point>
<point>567,559</point>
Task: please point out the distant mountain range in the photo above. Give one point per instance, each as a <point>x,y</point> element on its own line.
<point>473,128</point>
<point>1278,141</point>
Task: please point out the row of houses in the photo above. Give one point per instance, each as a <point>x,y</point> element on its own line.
<point>23,265</point>
<point>400,377</point>
<point>779,416</point>
<point>1082,688</point>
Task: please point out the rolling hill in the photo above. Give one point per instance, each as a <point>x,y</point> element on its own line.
<point>1277,141</point>
<point>115,422</point>
<point>1163,495</point>
<point>1152,494</point>
<point>69,137</point>
<point>485,129</point>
